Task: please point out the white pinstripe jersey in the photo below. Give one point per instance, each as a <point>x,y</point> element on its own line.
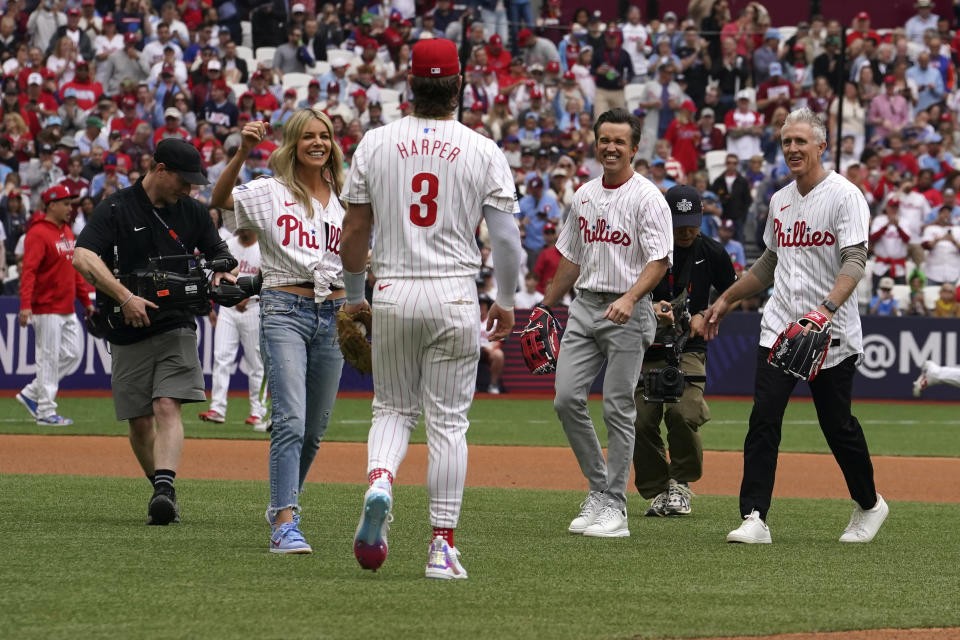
<point>614,233</point>
<point>428,181</point>
<point>292,247</point>
<point>807,234</point>
<point>248,259</point>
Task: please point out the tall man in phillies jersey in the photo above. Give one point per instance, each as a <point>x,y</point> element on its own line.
<point>816,238</point>
<point>422,184</point>
<point>615,246</point>
<point>239,326</point>
<point>48,287</point>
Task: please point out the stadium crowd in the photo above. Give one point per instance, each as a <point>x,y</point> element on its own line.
<point>91,86</point>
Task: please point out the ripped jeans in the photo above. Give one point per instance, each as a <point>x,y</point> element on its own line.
<point>302,359</point>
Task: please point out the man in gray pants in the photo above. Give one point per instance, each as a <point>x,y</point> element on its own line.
<point>615,246</point>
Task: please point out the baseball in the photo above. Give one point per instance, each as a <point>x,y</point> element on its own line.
<point>362,328</point>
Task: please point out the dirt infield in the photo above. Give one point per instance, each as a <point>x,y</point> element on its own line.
<point>798,475</point>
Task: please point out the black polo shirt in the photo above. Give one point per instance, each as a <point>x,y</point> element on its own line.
<point>128,221</point>
<point>711,268</point>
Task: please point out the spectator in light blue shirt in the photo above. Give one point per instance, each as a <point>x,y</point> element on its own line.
<point>929,81</point>
<point>733,248</point>
<point>884,304</point>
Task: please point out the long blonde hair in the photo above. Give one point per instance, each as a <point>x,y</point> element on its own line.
<point>283,161</point>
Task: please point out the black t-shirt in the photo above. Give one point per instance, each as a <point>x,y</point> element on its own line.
<point>711,267</point>
<point>126,220</point>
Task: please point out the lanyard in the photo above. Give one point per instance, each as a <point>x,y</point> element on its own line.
<point>173,234</point>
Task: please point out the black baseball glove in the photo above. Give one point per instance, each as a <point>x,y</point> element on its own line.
<point>540,341</point>
<point>800,354</point>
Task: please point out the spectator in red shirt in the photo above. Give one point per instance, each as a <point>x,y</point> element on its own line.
<point>171,127</point>
<point>48,287</point>
<point>77,184</point>
<point>498,58</point>
<point>128,123</point>
<point>88,90</point>
<point>549,258</point>
<point>861,29</point>
<point>711,138</point>
<point>899,157</point>
<point>774,92</point>
<point>36,105</point>
<point>264,100</point>
<point>684,137</point>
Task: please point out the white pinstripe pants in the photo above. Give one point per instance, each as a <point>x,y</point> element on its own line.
<point>235,328</point>
<point>59,349</point>
<point>425,351</point>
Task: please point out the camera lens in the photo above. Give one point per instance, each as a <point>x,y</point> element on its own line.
<point>670,375</point>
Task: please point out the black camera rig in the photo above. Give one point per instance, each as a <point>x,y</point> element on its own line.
<point>666,384</point>
<point>188,288</point>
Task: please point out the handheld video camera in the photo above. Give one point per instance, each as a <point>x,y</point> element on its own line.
<point>666,384</point>
<point>187,289</point>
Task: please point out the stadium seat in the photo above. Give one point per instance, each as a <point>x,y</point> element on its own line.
<point>931,293</point>
<point>247,54</point>
<point>632,93</point>
<point>335,54</point>
<point>265,55</point>
<point>296,80</point>
<point>319,68</point>
<point>238,89</point>
<point>714,161</point>
<point>246,29</point>
<point>786,33</point>
<point>901,293</point>
<point>391,111</point>
<point>389,95</point>
<point>722,127</point>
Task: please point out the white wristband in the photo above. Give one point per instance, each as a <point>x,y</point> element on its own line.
<point>354,285</point>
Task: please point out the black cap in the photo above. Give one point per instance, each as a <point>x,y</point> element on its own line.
<point>181,156</point>
<point>685,205</point>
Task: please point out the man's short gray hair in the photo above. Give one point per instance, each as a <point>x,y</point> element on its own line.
<point>807,116</point>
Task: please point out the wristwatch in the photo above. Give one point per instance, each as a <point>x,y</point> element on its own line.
<point>829,306</point>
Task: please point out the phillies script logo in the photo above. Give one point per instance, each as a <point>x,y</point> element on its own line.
<point>293,231</point>
<point>800,235</point>
<point>601,233</point>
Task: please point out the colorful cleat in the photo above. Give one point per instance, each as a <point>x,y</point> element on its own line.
<point>211,416</point>
<point>443,561</point>
<point>257,423</point>
<point>54,421</point>
<point>370,541</point>
<point>30,405</point>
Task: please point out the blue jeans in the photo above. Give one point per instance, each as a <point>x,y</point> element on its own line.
<point>519,10</point>
<point>302,359</point>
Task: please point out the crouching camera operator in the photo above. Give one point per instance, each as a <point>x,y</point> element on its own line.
<point>138,251</point>
<point>674,367</point>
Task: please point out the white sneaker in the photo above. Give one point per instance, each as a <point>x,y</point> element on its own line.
<point>589,509</point>
<point>864,523</point>
<point>611,522</point>
<point>443,561</point>
<point>495,390</point>
<point>678,499</point>
<point>752,531</point>
<point>658,506</point>
<point>921,382</point>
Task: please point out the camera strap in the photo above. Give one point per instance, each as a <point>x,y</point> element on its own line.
<point>171,232</point>
<point>685,269</point>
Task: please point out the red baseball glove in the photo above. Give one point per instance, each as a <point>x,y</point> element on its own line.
<point>540,341</point>
<point>802,355</point>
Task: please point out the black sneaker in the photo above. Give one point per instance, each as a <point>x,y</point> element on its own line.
<point>163,508</point>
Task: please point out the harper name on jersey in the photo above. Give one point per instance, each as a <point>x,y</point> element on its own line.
<point>807,233</point>
<point>428,147</point>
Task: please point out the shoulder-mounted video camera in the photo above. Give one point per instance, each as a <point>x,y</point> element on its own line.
<point>190,288</point>
<point>666,384</point>
<point>187,289</point>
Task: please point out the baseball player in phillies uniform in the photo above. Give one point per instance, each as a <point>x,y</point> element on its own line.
<point>615,246</point>
<point>48,287</point>
<point>239,325</point>
<point>816,237</point>
<point>421,184</point>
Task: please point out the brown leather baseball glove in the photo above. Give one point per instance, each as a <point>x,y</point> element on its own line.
<point>354,331</point>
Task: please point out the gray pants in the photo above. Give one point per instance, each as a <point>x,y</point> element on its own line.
<point>588,342</point>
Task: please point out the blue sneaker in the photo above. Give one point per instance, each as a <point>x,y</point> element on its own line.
<point>287,539</point>
<point>370,541</point>
<point>54,421</point>
<point>28,404</point>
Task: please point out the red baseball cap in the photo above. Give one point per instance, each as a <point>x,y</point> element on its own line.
<point>128,101</point>
<point>476,106</point>
<point>863,15</point>
<point>569,75</point>
<point>130,37</point>
<point>889,80</point>
<point>496,41</point>
<point>333,87</point>
<point>553,66</point>
<point>524,35</point>
<point>57,192</point>
<point>73,12</point>
<point>290,92</point>
<point>358,92</point>
<point>435,58</point>
<point>108,19</point>
<point>689,106</point>
<point>535,94</point>
<point>500,99</point>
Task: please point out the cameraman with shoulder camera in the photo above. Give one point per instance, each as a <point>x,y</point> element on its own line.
<point>154,348</point>
<point>680,298</point>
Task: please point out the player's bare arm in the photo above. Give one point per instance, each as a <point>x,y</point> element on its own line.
<point>621,309</point>
<point>222,195</point>
<point>94,271</point>
<point>565,277</point>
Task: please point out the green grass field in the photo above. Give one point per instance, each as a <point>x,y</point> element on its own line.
<point>892,429</point>
<point>79,562</point>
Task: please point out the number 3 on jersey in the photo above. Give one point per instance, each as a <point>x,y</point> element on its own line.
<point>424,214</point>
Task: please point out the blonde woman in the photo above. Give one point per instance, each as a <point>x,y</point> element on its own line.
<point>21,141</point>
<point>298,218</point>
<point>63,61</point>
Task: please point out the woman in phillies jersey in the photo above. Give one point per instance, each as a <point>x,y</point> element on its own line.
<point>298,217</point>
